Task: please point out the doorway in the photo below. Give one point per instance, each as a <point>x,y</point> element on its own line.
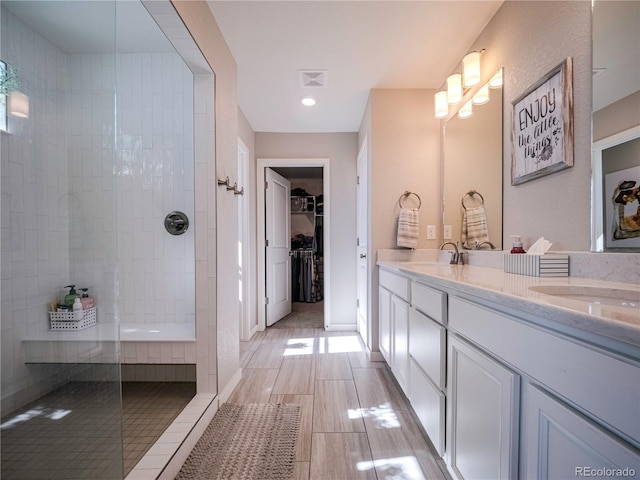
<point>307,248</point>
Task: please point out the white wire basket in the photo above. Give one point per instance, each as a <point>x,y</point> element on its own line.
<point>73,320</point>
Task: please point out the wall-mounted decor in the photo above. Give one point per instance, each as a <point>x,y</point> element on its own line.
<point>622,218</point>
<point>542,126</point>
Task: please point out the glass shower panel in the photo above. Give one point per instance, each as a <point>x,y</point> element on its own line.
<point>61,391</point>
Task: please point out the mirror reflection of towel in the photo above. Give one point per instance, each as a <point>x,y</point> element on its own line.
<point>408,227</point>
<point>474,227</point>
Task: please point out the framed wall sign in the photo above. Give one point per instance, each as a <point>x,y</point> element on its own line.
<point>542,126</point>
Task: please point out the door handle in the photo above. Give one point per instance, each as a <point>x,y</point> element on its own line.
<point>362,255</point>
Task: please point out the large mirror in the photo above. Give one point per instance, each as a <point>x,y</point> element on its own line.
<point>472,176</point>
<point>616,126</point>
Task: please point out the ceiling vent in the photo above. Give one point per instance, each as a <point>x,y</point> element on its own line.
<point>313,78</point>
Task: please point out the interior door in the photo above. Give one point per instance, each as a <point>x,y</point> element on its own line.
<point>362,230</point>
<point>277,246</point>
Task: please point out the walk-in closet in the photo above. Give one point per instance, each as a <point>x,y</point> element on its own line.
<point>307,253</point>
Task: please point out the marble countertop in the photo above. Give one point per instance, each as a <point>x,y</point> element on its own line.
<point>618,323</point>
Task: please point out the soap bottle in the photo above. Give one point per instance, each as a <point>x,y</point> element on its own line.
<point>71,296</point>
<point>86,300</point>
<point>517,244</point>
<point>77,308</point>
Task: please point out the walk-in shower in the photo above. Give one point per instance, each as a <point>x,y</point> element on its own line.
<point>105,152</point>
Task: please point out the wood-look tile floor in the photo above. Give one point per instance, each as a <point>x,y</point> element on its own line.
<point>356,423</point>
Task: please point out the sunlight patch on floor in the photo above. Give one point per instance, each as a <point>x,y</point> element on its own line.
<point>383,416</point>
<point>342,344</point>
<point>300,346</point>
<point>396,468</point>
<point>36,412</point>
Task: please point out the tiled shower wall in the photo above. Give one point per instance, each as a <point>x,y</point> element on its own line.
<point>35,208</point>
<point>153,176</point>
<point>58,202</point>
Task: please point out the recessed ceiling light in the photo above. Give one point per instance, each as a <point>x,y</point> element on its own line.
<point>308,101</point>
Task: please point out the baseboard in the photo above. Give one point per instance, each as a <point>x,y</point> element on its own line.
<point>253,331</point>
<point>375,356</point>
<point>341,327</point>
<point>230,386</point>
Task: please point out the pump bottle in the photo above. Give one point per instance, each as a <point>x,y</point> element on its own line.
<point>517,244</point>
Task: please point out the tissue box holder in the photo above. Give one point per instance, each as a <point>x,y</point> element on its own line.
<point>548,265</point>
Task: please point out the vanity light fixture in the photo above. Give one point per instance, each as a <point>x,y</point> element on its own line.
<point>441,105</point>
<point>466,110</point>
<point>454,88</point>
<point>18,104</point>
<point>481,96</point>
<point>471,69</point>
<point>308,101</point>
<point>496,80</point>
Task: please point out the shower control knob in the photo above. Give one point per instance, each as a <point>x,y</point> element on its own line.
<point>176,223</point>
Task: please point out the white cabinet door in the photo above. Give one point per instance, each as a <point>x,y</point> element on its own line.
<point>384,321</point>
<point>561,443</point>
<point>400,339</point>
<point>482,415</point>
<point>428,403</point>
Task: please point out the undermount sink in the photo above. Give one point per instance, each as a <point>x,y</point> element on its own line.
<point>617,297</point>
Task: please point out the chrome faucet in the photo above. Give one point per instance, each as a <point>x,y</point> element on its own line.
<point>486,242</point>
<point>456,256</point>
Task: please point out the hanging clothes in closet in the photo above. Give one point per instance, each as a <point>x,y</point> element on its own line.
<point>304,274</point>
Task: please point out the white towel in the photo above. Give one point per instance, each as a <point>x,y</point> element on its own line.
<point>408,227</point>
<point>474,227</point>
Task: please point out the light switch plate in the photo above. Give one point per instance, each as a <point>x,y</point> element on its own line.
<point>447,232</point>
<point>431,232</point>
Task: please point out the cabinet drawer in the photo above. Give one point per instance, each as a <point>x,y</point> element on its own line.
<point>605,386</point>
<point>397,284</point>
<point>429,301</point>
<point>428,403</point>
<point>427,346</point>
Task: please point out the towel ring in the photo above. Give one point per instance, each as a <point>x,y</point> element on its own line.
<point>471,193</point>
<point>405,195</point>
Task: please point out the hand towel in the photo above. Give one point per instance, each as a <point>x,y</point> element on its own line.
<point>474,227</point>
<point>408,227</point>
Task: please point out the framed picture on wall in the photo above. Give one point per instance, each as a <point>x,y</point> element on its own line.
<point>542,126</point>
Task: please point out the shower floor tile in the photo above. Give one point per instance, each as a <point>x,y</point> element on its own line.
<point>79,431</point>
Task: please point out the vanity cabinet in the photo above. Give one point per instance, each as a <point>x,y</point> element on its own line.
<point>482,416</point>
<point>580,406</point>
<point>427,362</point>
<point>384,324</point>
<point>559,442</point>
<point>394,295</point>
<point>507,394</point>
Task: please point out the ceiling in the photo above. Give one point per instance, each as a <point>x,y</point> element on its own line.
<point>616,36</point>
<point>92,26</point>
<point>359,45</point>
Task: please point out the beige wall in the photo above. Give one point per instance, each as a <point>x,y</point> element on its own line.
<point>529,38</point>
<point>403,144</point>
<point>217,300</point>
<point>617,117</point>
<point>341,149</point>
